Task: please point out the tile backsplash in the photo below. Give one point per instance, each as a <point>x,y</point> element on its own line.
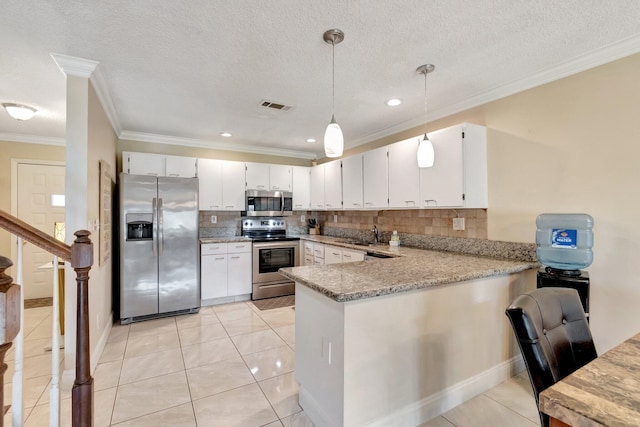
<point>429,222</point>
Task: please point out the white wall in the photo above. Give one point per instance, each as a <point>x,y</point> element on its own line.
<point>573,146</point>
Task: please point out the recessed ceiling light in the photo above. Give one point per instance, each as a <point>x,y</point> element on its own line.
<point>311,140</point>
<point>394,102</point>
<point>225,134</point>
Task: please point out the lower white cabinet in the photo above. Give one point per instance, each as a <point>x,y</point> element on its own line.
<point>225,269</point>
<point>320,254</point>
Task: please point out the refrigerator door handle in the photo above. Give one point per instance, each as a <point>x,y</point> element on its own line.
<point>154,227</point>
<point>160,227</point>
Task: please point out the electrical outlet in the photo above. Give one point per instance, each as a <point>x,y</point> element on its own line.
<point>214,219</point>
<point>335,218</point>
<point>458,224</point>
<point>302,218</point>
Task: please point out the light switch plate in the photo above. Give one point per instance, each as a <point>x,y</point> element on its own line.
<point>214,219</point>
<point>335,218</point>
<point>458,224</point>
<point>302,218</point>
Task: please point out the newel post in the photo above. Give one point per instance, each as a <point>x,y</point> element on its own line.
<point>82,392</point>
<point>9,322</point>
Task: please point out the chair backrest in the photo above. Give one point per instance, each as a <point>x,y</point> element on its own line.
<point>553,335</point>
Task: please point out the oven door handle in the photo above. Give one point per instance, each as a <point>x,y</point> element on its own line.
<point>263,245</point>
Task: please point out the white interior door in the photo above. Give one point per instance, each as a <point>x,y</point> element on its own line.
<point>37,186</point>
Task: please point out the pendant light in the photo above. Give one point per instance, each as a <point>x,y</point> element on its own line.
<point>333,139</point>
<point>426,155</point>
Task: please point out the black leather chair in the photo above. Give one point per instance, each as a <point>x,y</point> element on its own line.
<point>553,335</point>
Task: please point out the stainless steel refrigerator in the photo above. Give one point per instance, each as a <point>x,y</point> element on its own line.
<point>159,247</point>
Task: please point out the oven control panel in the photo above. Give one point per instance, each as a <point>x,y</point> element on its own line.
<point>259,224</point>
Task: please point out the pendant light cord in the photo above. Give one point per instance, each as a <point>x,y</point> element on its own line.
<point>425,105</point>
<point>333,78</point>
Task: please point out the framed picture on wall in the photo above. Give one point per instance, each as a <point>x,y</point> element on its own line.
<point>106,185</point>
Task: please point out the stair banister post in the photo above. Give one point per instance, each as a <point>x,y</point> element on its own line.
<point>82,392</point>
<point>9,322</point>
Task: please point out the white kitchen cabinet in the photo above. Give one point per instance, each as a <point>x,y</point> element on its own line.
<point>210,184</point>
<point>317,187</point>
<point>404,174</point>
<point>233,186</point>
<point>143,164</point>
<point>257,176</point>
<point>301,187</point>
<point>352,256</point>
<point>239,268</point>
<point>352,185</point>
<point>263,176</point>
<point>213,270</point>
<point>225,269</point>
<point>280,177</point>
<point>333,185</point>
<point>332,255</point>
<point>183,167</point>
<point>458,177</point>
<point>307,252</point>
<point>376,178</point>
<point>318,254</point>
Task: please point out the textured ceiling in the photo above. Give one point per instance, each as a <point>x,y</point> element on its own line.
<point>186,71</point>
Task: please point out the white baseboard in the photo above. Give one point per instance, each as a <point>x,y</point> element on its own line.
<point>102,342</point>
<point>313,410</point>
<point>439,403</point>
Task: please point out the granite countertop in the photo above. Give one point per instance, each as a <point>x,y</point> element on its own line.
<point>411,269</point>
<point>224,239</point>
<point>604,392</point>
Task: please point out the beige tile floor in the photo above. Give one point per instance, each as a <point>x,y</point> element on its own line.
<point>229,365</point>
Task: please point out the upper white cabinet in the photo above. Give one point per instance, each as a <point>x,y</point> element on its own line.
<point>333,185</point>
<point>326,186</point>
<point>159,165</point>
<point>210,184</point>
<point>257,176</point>
<point>376,178</point>
<point>233,186</point>
<point>458,177</point>
<point>143,164</point>
<point>301,186</point>
<point>404,174</point>
<point>263,176</point>
<point>184,167</point>
<point>221,185</point>
<point>317,187</point>
<point>352,182</point>
<point>280,177</point>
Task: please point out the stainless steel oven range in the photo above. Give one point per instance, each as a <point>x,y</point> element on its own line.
<point>272,250</point>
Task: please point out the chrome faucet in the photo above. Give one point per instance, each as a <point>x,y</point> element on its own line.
<point>375,234</point>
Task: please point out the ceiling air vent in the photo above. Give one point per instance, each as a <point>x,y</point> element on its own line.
<point>274,105</point>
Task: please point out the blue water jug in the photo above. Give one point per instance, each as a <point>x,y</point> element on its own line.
<point>564,241</point>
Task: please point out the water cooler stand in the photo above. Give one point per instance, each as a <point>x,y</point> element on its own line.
<point>575,279</point>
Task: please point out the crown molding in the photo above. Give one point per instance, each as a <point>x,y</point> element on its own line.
<point>32,139</point>
<point>102,91</point>
<point>74,66</point>
<point>573,66</point>
<point>214,145</point>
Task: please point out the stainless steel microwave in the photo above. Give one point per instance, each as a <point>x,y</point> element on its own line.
<point>269,203</point>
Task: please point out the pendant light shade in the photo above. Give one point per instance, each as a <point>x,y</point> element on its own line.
<point>333,139</point>
<point>426,154</point>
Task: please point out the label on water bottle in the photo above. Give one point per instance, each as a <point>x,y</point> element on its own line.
<point>564,238</point>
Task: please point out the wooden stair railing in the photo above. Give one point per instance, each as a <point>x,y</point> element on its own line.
<point>80,255</point>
